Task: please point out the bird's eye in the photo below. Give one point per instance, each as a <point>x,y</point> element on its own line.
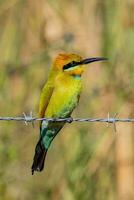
<point>73,62</point>
<point>70,65</point>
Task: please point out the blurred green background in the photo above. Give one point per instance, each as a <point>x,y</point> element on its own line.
<point>86,160</point>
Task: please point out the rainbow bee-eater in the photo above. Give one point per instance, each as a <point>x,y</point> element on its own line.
<point>59,97</point>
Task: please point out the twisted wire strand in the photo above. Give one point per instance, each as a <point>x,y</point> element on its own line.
<point>29,118</point>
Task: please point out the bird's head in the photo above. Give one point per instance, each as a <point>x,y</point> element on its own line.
<point>73,64</point>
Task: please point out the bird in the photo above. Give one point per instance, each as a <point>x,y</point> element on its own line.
<point>59,97</point>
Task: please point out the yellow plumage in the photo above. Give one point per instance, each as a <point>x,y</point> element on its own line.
<point>64,96</point>
<point>57,77</point>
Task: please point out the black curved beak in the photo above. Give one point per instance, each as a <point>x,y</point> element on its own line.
<point>90,60</point>
<point>82,62</point>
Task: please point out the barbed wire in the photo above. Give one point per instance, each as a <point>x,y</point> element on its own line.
<point>29,118</point>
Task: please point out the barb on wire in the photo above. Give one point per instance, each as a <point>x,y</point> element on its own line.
<point>112,120</point>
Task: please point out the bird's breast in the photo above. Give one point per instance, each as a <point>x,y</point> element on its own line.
<point>65,98</point>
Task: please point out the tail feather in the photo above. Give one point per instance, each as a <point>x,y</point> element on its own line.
<point>39,157</point>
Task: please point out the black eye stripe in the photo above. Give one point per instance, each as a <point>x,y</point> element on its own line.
<point>71,64</point>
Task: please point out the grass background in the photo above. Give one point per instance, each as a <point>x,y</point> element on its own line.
<point>87,160</point>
